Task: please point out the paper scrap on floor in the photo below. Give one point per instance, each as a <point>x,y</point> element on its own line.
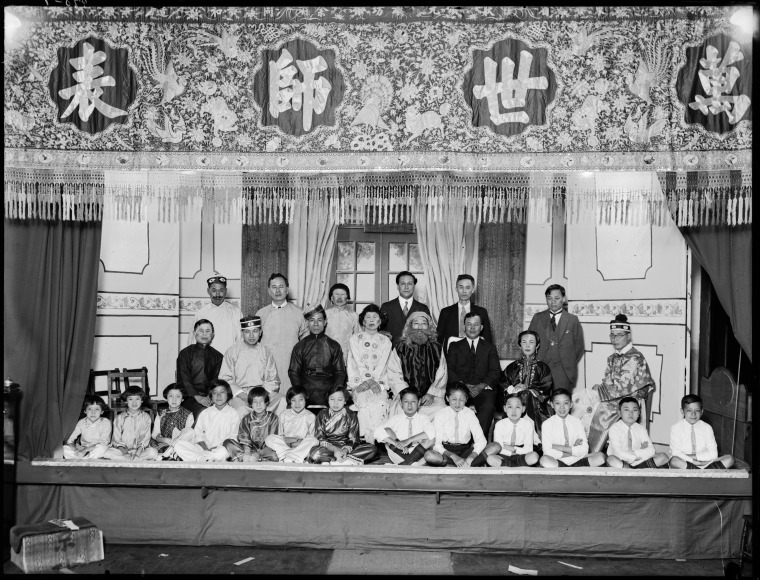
<point>244,561</point>
<point>570,565</point>
<point>521,571</point>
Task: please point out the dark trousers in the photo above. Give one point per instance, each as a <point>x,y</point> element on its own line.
<point>485,404</point>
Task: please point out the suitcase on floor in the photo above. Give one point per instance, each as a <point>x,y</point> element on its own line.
<point>56,544</point>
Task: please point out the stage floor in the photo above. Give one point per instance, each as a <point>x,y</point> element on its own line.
<point>648,513</point>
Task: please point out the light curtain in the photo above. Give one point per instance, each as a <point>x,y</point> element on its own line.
<point>312,236</point>
<point>448,247</point>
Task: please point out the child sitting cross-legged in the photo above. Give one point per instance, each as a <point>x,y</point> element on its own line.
<point>564,438</point>
<point>515,435</point>
<point>215,425</point>
<point>407,435</point>
<point>94,432</point>
<point>295,437</point>
<point>459,440</point>
<point>173,424</point>
<point>692,441</point>
<point>337,430</point>
<point>255,427</point>
<point>131,430</point>
<point>630,445</point>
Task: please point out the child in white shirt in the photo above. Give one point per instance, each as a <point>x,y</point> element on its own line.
<point>629,442</point>
<point>692,441</point>
<point>564,438</point>
<point>514,434</point>
<point>408,435</point>
<point>93,430</point>
<point>296,432</point>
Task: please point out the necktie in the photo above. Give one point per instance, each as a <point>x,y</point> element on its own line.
<point>472,348</point>
<point>554,321</point>
<point>693,441</point>
<point>513,440</point>
<point>567,436</point>
<point>410,426</point>
<point>461,321</point>
<point>456,428</point>
<point>630,440</point>
<point>406,308</point>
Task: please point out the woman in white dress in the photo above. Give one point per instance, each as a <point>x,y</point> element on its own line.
<point>342,321</point>
<point>374,372</point>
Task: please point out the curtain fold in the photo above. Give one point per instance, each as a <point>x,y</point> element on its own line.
<point>51,281</point>
<point>265,251</point>
<point>726,256</point>
<point>312,236</point>
<point>448,247</point>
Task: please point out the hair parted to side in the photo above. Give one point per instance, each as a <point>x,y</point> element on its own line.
<point>277,275</point>
<point>689,399</point>
<point>625,400</point>
<point>220,383</point>
<point>203,321</point>
<point>376,309</point>
<point>553,287</point>
<point>173,387</point>
<point>458,386</point>
<point>295,391</point>
<point>559,392</point>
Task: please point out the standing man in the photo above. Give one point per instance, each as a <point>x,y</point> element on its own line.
<point>198,365</point>
<point>224,316</point>
<point>248,364</point>
<point>317,361</point>
<point>475,362</point>
<point>282,326</point>
<point>451,319</point>
<point>399,310</point>
<point>561,338</point>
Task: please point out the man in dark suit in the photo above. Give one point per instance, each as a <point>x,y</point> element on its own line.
<point>451,319</point>
<point>475,362</point>
<point>398,310</point>
<point>561,339</point>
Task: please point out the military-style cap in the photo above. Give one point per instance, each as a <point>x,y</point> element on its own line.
<point>250,322</point>
<point>217,280</point>
<point>310,311</point>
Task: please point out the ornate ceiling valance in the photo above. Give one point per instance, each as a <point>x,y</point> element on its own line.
<point>179,107</point>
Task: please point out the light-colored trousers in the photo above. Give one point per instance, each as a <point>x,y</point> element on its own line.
<point>147,454</point>
<point>299,452</point>
<point>97,452</point>
<point>190,452</point>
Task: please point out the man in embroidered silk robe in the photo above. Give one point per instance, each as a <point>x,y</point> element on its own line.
<point>224,316</point>
<point>282,326</point>
<point>422,363</point>
<point>627,375</point>
<point>316,362</point>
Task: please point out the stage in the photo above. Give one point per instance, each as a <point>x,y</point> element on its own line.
<point>564,512</point>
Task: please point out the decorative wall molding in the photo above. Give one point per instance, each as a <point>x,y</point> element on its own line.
<point>122,303</point>
<point>193,305</point>
<point>669,311</point>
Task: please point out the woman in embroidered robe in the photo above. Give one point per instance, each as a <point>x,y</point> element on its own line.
<point>531,379</point>
<point>374,372</point>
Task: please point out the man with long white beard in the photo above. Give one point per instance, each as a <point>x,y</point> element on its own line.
<point>422,363</point>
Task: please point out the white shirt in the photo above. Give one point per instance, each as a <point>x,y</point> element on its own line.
<point>280,306</point>
<point>407,301</point>
<point>557,316</point>
<point>399,424</point>
<point>680,441</point>
<point>445,422</point>
<point>523,430</point>
<point>618,446</point>
<point>214,426</point>
<point>473,343</point>
<point>299,425</point>
<point>552,432</point>
<point>226,321</point>
<point>92,433</point>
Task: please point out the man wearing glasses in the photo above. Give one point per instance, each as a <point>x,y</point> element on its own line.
<point>224,317</point>
<point>627,375</point>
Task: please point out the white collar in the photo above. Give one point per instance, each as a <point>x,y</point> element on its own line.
<point>403,301</point>
<point>625,349</point>
<point>281,306</point>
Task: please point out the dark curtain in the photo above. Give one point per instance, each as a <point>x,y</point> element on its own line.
<point>501,269</point>
<point>51,282</point>
<point>265,251</point>
<point>726,255</point>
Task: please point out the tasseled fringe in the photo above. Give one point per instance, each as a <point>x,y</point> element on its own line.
<point>224,199</point>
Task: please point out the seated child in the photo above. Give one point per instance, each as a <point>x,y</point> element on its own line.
<point>692,442</point>
<point>416,430</point>
<point>296,433</point>
<point>131,430</point>
<point>459,440</point>
<point>215,425</point>
<point>515,435</point>
<point>95,432</point>
<point>630,445</point>
<point>564,439</point>
<point>255,427</point>
<point>337,430</point>
<point>173,424</point>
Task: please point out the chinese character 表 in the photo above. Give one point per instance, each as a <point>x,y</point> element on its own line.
<point>718,79</point>
<point>286,92</point>
<point>513,90</point>
<point>87,92</point>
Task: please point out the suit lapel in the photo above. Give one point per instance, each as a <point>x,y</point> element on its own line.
<point>562,326</point>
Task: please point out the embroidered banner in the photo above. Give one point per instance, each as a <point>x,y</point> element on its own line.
<point>326,89</point>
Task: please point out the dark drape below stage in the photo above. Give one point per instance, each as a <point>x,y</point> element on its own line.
<point>646,527</point>
<point>726,256</point>
<point>51,282</point>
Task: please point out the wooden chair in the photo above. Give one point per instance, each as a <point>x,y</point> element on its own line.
<point>115,389</point>
<point>92,389</point>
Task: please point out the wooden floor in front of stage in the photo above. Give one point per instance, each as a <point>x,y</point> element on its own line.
<point>151,559</point>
